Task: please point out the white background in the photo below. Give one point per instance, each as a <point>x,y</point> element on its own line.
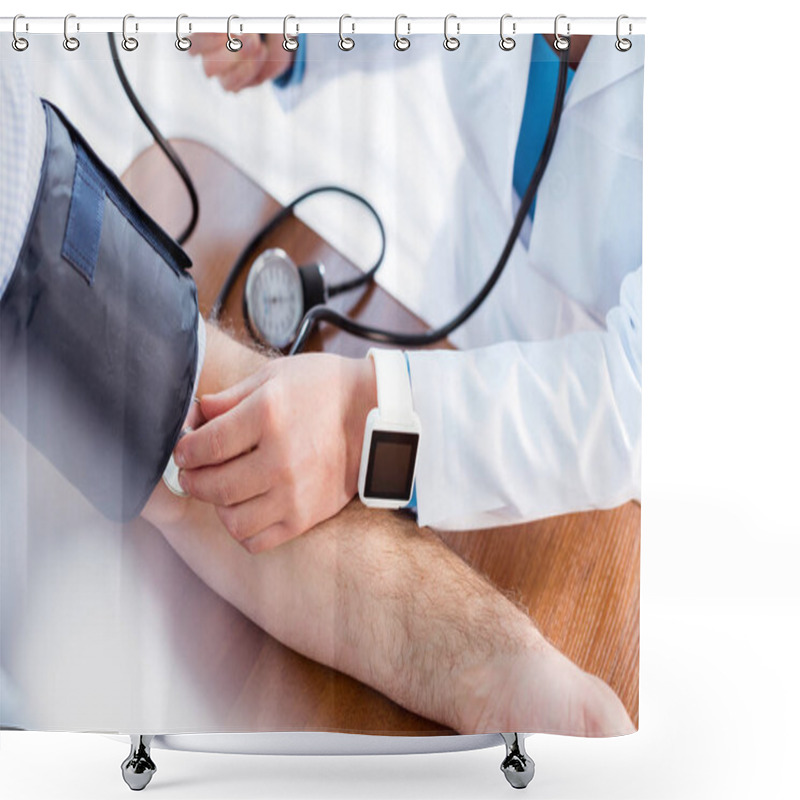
<point>720,533</point>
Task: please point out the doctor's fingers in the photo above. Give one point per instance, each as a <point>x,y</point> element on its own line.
<point>204,44</point>
<point>225,437</point>
<point>219,61</point>
<point>257,524</point>
<point>255,70</point>
<point>270,68</point>
<point>269,538</point>
<point>215,404</point>
<point>240,76</point>
<point>228,484</point>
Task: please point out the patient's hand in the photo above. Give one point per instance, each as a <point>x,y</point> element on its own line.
<point>257,61</point>
<point>281,449</point>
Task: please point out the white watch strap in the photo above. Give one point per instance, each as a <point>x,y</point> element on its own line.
<point>393,384</point>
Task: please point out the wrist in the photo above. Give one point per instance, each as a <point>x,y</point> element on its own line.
<point>227,362</point>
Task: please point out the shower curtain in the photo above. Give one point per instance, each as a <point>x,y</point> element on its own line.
<point>505,595</point>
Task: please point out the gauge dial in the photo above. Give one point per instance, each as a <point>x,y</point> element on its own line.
<point>274,296</point>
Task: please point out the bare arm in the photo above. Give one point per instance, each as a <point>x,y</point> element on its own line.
<point>226,361</point>
<point>375,596</point>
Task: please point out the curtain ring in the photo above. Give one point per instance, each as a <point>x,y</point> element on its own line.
<point>345,42</point>
<point>400,42</point>
<point>451,42</point>
<point>507,42</point>
<point>233,44</point>
<point>18,42</point>
<point>561,42</point>
<point>183,43</point>
<point>129,43</point>
<point>623,45</point>
<point>290,43</point>
<point>71,43</point>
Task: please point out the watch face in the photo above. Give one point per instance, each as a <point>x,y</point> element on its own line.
<point>274,295</point>
<point>390,474</point>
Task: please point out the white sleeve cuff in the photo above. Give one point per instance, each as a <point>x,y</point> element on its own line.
<point>520,431</point>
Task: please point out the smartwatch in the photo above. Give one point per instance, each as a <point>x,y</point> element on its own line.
<point>391,436</point>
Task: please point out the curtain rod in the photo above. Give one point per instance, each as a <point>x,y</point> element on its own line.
<point>408,26</point>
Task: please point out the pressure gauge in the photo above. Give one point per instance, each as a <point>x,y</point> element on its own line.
<point>277,295</point>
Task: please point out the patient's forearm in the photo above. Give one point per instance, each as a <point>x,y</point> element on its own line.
<point>369,594</point>
<point>374,596</point>
<point>226,362</point>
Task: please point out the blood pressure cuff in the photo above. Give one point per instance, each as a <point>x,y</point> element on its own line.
<point>98,331</point>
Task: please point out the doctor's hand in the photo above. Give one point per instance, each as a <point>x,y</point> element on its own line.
<point>281,449</point>
<point>257,61</point>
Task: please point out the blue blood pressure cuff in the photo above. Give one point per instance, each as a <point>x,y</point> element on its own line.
<point>98,331</point>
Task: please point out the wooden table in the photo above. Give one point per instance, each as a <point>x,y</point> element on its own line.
<point>578,575</point>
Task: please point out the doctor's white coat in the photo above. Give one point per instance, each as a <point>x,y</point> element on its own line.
<point>540,412</point>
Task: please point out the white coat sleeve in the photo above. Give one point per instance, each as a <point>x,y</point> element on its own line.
<point>523,430</point>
